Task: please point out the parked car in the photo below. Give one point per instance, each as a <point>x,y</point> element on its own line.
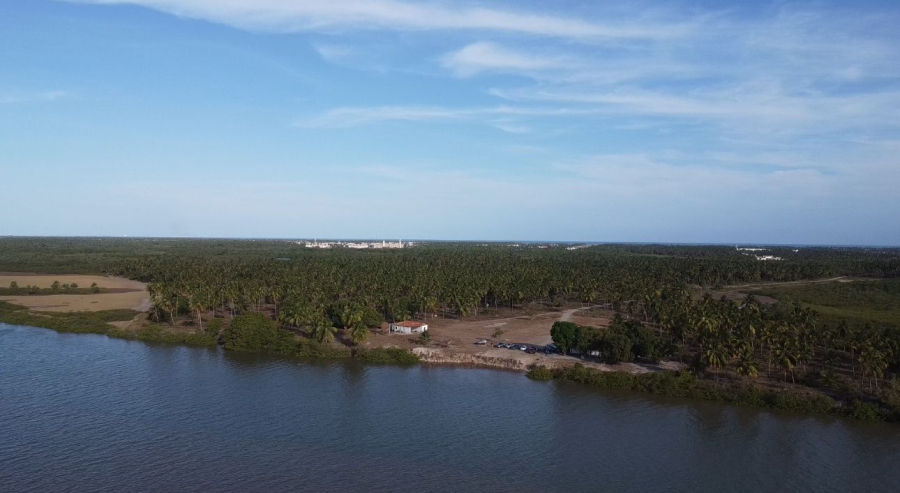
<point>481,342</point>
<point>530,350</point>
<point>502,345</point>
<point>523,347</point>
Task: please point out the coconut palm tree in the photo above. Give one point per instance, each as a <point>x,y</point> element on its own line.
<point>322,330</point>
<point>716,356</point>
<point>197,304</point>
<point>359,334</point>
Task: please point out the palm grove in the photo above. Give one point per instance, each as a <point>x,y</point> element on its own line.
<point>653,289</point>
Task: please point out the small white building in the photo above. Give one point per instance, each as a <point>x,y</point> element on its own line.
<point>409,327</point>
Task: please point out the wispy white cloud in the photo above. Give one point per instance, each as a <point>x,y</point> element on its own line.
<point>34,97</point>
<point>358,116</point>
<point>307,15</point>
<point>334,52</point>
<point>489,57</point>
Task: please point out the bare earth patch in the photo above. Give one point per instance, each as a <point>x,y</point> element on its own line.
<point>128,294</point>
<point>453,341</point>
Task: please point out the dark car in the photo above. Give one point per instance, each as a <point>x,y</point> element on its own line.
<point>530,350</point>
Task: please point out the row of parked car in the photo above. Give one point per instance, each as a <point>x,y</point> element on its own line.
<point>529,348</point>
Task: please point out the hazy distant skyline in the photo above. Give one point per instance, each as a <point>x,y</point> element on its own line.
<point>692,122</point>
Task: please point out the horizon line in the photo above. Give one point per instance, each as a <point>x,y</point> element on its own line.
<point>421,240</point>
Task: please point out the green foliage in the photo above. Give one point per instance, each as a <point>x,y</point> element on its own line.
<point>214,327</point>
<point>254,332</point>
<point>359,334</point>
<point>387,356</point>
<point>119,315</point>
<point>539,372</point>
<point>875,302</point>
<point>311,348</point>
<point>371,317</point>
<point>15,290</point>
<point>865,411</point>
<point>686,384</point>
<point>616,348</point>
<point>156,333</point>
<point>564,335</point>
<point>97,323</point>
<point>650,284</point>
<point>425,338</point>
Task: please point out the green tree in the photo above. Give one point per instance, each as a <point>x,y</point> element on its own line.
<point>564,335</point>
<point>616,348</point>
<point>359,333</point>
<point>425,338</point>
<point>716,357</point>
<point>322,329</point>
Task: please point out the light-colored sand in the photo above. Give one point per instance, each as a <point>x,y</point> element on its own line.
<point>519,360</point>
<point>136,299</point>
<point>534,329</point>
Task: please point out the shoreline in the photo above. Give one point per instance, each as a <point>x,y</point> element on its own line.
<point>677,383</point>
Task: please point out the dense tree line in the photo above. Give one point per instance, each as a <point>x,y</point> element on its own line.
<point>650,286</point>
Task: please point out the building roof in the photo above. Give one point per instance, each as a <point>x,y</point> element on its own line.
<point>409,323</point>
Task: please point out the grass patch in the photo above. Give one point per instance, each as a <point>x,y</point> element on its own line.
<point>875,302</point>
<point>156,333</point>
<point>98,323</point>
<point>119,315</point>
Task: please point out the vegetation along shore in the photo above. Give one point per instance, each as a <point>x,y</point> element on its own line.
<point>815,331</point>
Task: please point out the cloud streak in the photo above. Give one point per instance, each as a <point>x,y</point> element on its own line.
<point>319,15</point>
<point>359,116</point>
<point>34,97</point>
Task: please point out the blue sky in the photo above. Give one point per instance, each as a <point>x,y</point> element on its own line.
<point>696,121</point>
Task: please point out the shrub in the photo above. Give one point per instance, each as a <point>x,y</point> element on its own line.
<point>387,356</point>
<point>864,411</point>
<point>311,348</point>
<point>540,372</point>
<point>254,332</point>
<point>214,327</point>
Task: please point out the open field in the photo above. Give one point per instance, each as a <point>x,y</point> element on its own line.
<point>862,301</point>
<point>128,294</point>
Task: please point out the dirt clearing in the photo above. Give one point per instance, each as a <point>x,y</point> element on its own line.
<point>128,294</point>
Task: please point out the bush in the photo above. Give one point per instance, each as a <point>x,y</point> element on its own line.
<point>254,332</point>
<point>214,327</point>
<point>864,411</point>
<point>387,356</point>
<point>156,333</point>
<point>311,348</point>
<point>686,384</point>
<point>540,372</point>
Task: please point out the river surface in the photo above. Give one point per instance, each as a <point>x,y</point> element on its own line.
<point>89,413</point>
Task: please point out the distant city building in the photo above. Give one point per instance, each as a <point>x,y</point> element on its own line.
<point>355,245</point>
<point>409,327</point>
